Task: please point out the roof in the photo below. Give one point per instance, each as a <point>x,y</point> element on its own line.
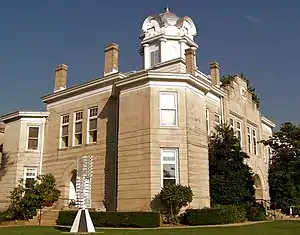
<point>19,114</point>
<point>268,122</point>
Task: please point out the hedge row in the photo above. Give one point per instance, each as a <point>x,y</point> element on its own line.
<point>4,216</point>
<point>114,219</point>
<point>296,210</point>
<point>256,212</point>
<point>211,216</point>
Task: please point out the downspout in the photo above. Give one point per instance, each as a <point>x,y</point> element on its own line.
<point>42,145</point>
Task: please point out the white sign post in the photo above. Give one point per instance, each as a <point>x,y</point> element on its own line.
<point>83,221</point>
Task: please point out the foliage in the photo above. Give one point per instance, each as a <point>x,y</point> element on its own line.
<point>114,219</point>
<point>296,210</point>
<point>5,216</point>
<point>173,198</point>
<point>219,215</point>
<point>231,180</point>
<point>256,212</point>
<point>24,201</point>
<point>229,78</point>
<point>284,170</point>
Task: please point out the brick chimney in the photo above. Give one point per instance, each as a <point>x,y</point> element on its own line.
<point>215,73</point>
<point>190,60</point>
<point>61,71</point>
<point>111,64</point>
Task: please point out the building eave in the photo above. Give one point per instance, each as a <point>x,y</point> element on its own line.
<point>81,87</point>
<point>21,114</point>
<point>162,76</point>
<point>268,122</point>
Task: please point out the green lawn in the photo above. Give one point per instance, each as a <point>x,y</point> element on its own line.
<point>269,228</point>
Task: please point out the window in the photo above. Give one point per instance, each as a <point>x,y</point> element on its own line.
<point>65,131</point>
<point>33,138</point>
<point>239,131</point>
<point>207,121</point>
<point>169,158</point>
<point>217,119</point>
<point>155,56</point>
<point>231,123</point>
<point>254,142</point>
<point>78,128</point>
<point>168,109</point>
<point>30,175</point>
<point>249,139</point>
<point>92,125</point>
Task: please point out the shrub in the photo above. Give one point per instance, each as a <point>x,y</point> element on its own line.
<point>114,219</point>
<point>296,210</point>
<point>24,201</point>
<point>5,216</point>
<point>219,215</point>
<point>173,198</point>
<point>256,212</point>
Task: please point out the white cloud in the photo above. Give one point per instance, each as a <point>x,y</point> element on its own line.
<point>252,19</point>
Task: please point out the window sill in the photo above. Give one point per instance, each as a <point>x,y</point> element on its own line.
<point>76,146</point>
<point>91,144</point>
<point>169,127</point>
<point>31,151</point>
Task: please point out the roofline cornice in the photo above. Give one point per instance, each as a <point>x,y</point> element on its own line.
<point>159,76</point>
<point>81,87</point>
<point>21,114</point>
<point>268,122</point>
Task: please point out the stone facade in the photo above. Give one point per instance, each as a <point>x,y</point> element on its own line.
<point>22,150</point>
<point>150,127</point>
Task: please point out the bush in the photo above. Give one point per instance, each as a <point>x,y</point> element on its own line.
<point>218,215</point>
<point>24,201</point>
<point>172,199</point>
<point>5,216</point>
<point>296,210</point>
<point>114,219</point>
<point>256,212</point>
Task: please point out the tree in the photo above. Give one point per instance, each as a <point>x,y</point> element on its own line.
<point>25,200</point>
<point>172,198</point>
<point>231,180</point>
<point>284,170</point>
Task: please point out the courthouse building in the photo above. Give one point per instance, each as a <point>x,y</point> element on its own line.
<point>149,128</point>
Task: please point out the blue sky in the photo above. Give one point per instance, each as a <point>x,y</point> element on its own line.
<point>254,37</point>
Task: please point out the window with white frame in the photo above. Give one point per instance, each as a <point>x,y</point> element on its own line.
<point>249,139</point>
<point>254,138</point>
<point>30,175</point>
<point>65,131</point>
<point>239,131</point>
<point>207,121</point>
<point>33,138</point>
<point>168,108</point>
<point>92,125</point>
<point>154,55</point>
<point>231,124</point>
<point>217,119</point>
<point>78,128</point>
<point>170,174</point>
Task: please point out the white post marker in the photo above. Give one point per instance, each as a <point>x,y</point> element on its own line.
<point>83,222</point>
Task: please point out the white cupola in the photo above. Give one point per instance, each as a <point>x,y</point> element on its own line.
<point>166,37</point>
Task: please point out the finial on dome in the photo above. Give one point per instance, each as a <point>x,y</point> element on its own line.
<point>167,9</point>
